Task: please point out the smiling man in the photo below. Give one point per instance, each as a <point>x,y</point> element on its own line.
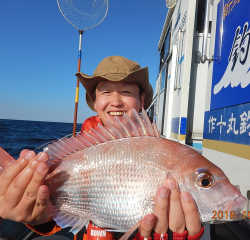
<point>118,85</point>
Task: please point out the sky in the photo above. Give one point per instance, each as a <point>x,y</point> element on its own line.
<point>39,54</point>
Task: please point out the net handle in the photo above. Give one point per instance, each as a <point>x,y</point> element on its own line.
<point>77,81</point>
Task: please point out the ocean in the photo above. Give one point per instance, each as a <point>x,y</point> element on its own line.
<point>16,135</point>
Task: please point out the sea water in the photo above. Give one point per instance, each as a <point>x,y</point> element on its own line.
<point>16,135</point>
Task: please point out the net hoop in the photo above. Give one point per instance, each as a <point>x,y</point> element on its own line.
<point>171,3</point>
<point>76,10</point>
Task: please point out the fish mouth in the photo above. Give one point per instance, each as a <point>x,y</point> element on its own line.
<point>236,205</point>
<point>116,113</point>
<point>229,211</point>
<point>239,203</point>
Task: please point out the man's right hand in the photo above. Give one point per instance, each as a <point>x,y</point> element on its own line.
<point>23,197</point>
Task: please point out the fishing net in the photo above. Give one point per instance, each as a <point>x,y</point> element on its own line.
<point>170,3</point>
<point>83,14</point>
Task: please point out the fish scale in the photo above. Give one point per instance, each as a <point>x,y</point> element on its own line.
<point>109,189</point>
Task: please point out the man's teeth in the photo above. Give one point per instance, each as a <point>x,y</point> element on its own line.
<point>116,113</point>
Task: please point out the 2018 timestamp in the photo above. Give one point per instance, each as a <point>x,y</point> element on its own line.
<point>228,215</point>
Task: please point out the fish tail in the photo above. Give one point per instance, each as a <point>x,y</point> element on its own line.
<point>5,159</point>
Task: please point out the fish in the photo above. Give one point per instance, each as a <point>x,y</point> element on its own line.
<point>110,175</point>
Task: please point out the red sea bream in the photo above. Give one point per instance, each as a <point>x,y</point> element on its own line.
<point>110,176</point>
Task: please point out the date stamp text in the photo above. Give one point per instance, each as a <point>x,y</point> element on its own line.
<point>228,215</point>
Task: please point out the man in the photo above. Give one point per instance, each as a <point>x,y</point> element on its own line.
<point>118,85</point>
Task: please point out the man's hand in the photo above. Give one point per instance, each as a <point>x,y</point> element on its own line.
<point>174,210</point>
<point>23,197</point>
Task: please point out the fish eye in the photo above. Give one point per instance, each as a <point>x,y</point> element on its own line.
<point>204,180</point>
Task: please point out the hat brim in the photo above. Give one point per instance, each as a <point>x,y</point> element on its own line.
<point>138,76</point>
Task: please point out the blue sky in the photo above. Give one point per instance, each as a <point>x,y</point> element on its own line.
<point>39,54</point>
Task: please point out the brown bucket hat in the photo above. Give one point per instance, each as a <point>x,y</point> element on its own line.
<point>116,68</point>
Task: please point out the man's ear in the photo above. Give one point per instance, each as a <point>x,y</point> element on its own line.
<point>142,101</point>
<point>94,105</point>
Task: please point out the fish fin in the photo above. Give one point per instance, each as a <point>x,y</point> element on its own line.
<point>5,159</point>
<point>120,126</point>
<point>4,156</point>
<point>139,123</point>
<point>90,138</point>
<point>58,153</point>
<point>107,134</point>
<point>84,141</point>
<point>130,125</point>
<point>78,143</point>
<point>66,220</point>
<point>147,122</point>
<point>71,143</point>
<point>55,154</point>
<point>113,130</point>
<point>60,148</point>
<point>63,147</point>
<point>97,135</point>
<point>63,143</point>
<point>130,231</point>
<point>133,126</point>
<point>156,131</point>
<point>78,226</point>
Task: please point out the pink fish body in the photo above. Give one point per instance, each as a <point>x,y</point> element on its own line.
<point>110,176</point>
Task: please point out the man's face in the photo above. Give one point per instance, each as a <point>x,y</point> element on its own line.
<point>115,98</point>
